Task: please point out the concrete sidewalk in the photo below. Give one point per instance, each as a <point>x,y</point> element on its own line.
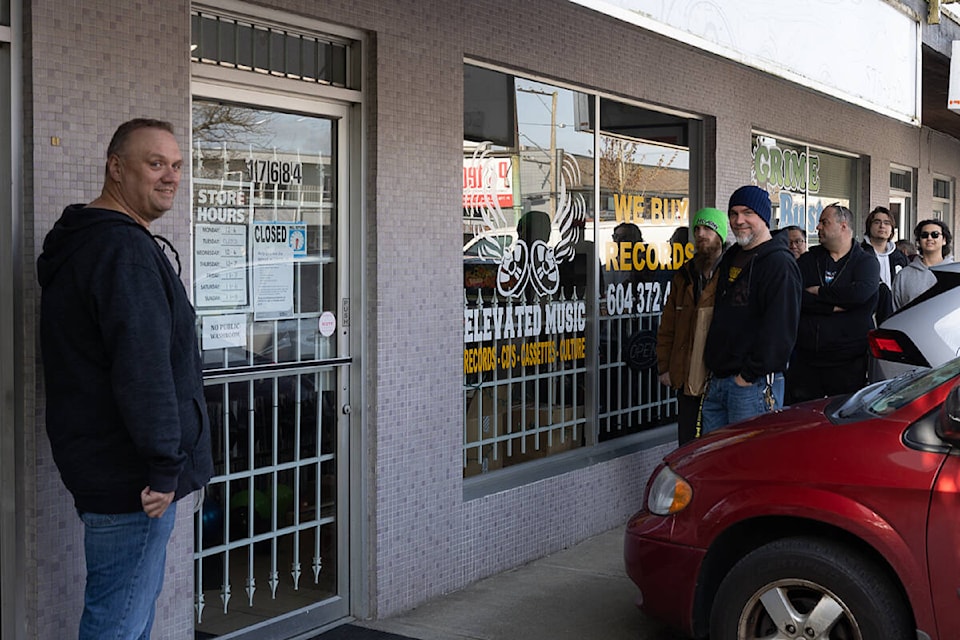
<point>580,593</point>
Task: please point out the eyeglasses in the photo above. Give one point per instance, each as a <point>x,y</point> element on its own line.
<point>929,234</point>
<point>885,223</point>
<point>839,207</point>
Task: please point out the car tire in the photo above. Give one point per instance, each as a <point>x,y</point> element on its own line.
<point>788,578</point>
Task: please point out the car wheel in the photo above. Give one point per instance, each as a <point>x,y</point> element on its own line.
<point>810,589</point>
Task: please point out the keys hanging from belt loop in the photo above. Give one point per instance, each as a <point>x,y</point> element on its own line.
<point>768,398</point>
<point>706,387</point>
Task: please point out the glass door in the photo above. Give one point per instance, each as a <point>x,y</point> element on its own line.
<point>899,209</point>
<point>269,274</point>
<point>901,199</point>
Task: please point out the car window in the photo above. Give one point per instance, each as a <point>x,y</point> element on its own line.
<point>947,279</point>
<point>488,246</point>
<point>889,397</point>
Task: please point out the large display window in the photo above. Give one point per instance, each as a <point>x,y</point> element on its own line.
<point>564,273</point>
<point>942,208</point>
<point>642,238</point>
<point>803,180</point>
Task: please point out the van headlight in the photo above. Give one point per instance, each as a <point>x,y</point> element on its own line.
<point>669,493</point>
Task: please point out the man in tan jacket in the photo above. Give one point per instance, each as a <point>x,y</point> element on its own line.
<point>686,319</point>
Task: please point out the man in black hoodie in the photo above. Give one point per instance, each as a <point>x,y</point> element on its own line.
<point>841,284</point>
<point>754,317</point>
<point>125,410</point>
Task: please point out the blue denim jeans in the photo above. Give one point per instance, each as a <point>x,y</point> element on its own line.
<point>125,555</point>
<point>726,402</point>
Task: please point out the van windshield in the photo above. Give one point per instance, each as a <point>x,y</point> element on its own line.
<point>883,398</point>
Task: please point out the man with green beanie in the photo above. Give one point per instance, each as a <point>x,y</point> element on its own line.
<point>686,319</point>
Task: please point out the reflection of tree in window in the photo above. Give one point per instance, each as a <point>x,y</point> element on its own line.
<point>223,135</point>
<point>216,123</point>
<point>622,166</point>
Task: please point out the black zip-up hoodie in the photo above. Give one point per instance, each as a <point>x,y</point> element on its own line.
<point>755,315</point>
<point>828,337</point>
<point>124,386</point>
<point>897,261</point>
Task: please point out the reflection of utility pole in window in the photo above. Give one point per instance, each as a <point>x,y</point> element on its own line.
<point>552,175</point>
<point>554,187</point>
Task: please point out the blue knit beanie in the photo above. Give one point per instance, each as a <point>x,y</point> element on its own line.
<point>753,197</point>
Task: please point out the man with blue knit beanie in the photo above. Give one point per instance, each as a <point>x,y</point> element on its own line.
<point>755,317</point>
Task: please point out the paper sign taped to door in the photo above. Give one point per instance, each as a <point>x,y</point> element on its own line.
<point>224,332</point>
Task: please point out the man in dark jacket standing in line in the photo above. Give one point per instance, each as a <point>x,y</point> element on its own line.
<point>840,289</point>
<point>686,318</point>
<point>754,319</point>
<point>125,411</point>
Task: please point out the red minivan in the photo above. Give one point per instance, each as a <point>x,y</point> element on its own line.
<point>834,519</point>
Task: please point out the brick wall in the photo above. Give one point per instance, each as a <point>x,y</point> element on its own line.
<point>94,64</point>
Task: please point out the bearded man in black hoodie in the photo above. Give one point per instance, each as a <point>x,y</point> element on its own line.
<point>754,317</point>
<point>125,410</point>
<point>841,285</point>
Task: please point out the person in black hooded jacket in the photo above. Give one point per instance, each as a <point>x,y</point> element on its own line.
<point>125,412</point>
<point>754,317</point>
<point>841,285</point>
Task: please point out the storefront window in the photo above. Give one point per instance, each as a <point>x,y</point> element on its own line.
<point>527,199</point>
<point>642,233</point>
<point>902,197</point>
<point>550,365</point>
<point>943,198</point>
<point>802,180</point>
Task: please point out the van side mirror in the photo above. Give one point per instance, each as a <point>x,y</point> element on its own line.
<point>948,421</point>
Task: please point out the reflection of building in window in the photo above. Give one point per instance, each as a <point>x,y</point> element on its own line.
<point>546,181</point>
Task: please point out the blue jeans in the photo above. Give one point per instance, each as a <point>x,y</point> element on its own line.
<point>726,402</point>
<point>125,555</point>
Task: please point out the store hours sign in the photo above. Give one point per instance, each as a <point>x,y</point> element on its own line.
<point>221,210</point>
<point>220,252</point>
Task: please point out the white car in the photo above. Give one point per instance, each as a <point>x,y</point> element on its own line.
<point>493,244</point>
<point>924,333</point>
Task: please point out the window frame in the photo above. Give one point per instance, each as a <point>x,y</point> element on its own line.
<point>593,451</point>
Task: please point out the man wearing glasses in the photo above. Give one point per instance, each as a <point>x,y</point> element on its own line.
<point>933,242</point>
<point>796,240</point>
<point>879,230</point>
<point>840,289</point>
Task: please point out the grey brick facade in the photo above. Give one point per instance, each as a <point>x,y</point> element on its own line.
<point>89,65</point>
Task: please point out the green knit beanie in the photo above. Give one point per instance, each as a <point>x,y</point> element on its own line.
<point>712,219</point>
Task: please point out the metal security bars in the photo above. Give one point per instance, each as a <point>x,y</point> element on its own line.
<point>631,397</point>
<point>267,534</point>
<point>523,399</point>
<point>240,45</point>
